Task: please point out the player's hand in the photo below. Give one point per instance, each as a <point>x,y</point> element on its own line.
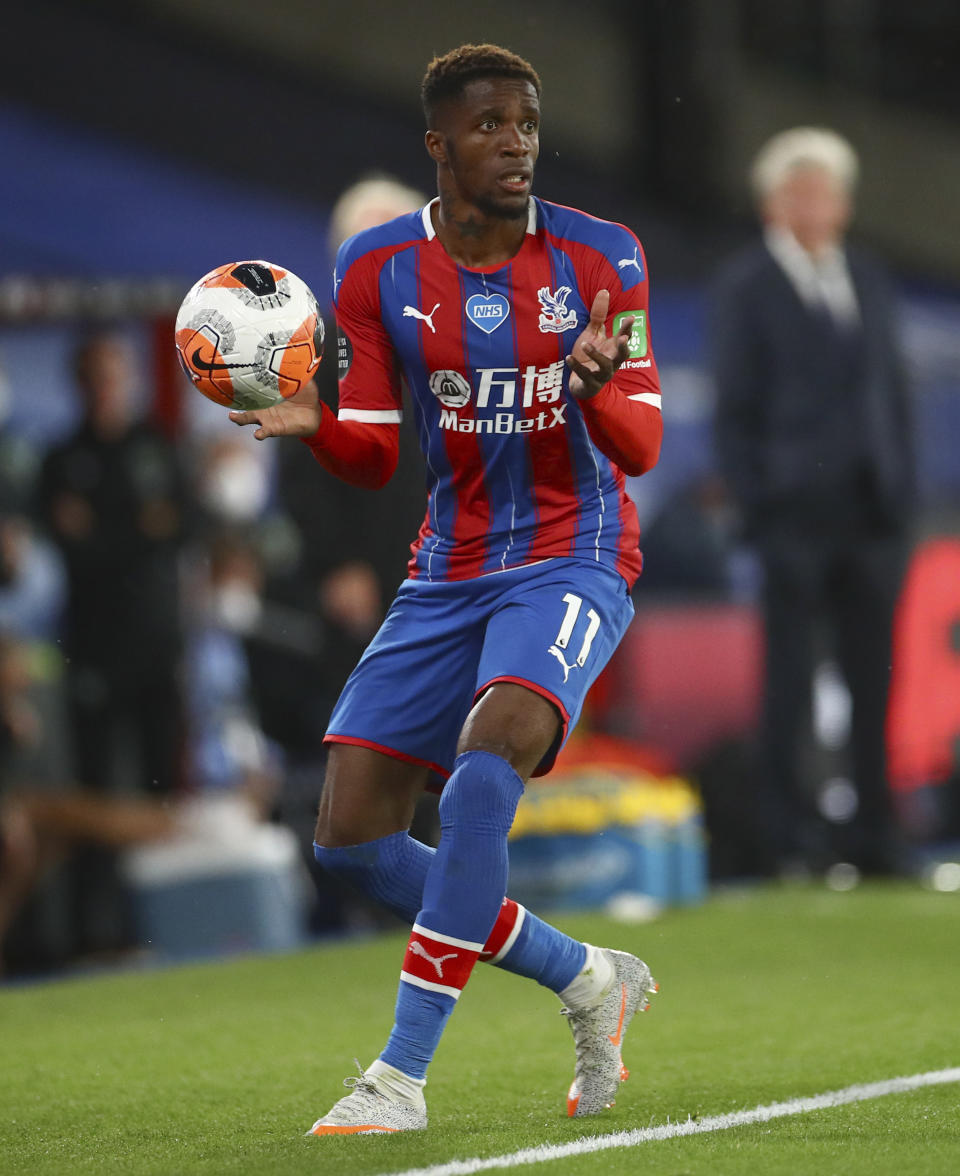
<point>298,416</point>
<point>595,358</point>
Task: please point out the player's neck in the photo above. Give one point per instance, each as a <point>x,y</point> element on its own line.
<point>476,239</point>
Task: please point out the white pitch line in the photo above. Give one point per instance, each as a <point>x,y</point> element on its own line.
<point>762,1114</point>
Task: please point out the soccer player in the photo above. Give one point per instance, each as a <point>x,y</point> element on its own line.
<point>520,330</point>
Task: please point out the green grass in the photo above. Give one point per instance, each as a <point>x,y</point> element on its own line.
<point>219,1068</point>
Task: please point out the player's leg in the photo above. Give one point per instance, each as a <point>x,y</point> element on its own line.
<point>514,727</point>
<point>471,861</point>
<point>410,696</point>
<point>462,892</point>
<point>462,898</point>
<point>391,869</point>
<point>556,633</point>
<point>396,721</point>
<point>366,795</point>
<point>362,837</point>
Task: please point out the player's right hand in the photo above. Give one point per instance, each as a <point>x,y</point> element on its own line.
<point>298,416</point>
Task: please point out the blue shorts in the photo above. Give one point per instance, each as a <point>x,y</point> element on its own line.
<point>550,626</point>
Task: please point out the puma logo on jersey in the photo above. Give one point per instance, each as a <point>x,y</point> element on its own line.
<point>417,948</point>
<point>412,312</point>
<point>626,262</point>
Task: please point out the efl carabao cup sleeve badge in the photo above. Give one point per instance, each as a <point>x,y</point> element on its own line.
<point>637,344</point>
<point>451,388</point>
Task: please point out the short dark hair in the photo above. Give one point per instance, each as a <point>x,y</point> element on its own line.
<point>447,76</point>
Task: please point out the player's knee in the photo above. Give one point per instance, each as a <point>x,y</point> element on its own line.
<point>514,723</point>
<point>325,836</point>
<point>336,829</point>
<point>482,794</point>
<point>365,796</point>
<point>340,824</point>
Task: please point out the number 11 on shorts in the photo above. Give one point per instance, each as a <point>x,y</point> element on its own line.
<point>574,605</point>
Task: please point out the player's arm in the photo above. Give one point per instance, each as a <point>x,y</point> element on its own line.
<point>360,443</point>
<point>359,452</point>
<point>626,429</point>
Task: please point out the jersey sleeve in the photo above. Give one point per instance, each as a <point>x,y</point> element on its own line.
<point>627,431</point>
<point>627,280</point>
<point>624,418</point>
<point>360,444</point>
<point>357,452</point>
<point>369,380</point>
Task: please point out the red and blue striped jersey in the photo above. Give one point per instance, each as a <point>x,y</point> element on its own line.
<point>513,473</point>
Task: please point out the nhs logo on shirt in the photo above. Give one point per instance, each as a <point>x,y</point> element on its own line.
<point>487,311</point>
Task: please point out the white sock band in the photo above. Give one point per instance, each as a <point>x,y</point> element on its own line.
<point>592,982</point>
<point>397,1084</point>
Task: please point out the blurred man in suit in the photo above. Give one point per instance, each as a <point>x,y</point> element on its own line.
<point>815,440</point>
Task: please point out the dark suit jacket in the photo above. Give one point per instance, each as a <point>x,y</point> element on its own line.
<point>801,412</point>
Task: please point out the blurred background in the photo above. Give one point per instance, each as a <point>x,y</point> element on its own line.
<point>179,606</point>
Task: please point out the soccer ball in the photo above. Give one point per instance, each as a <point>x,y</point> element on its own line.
<point>249,334</point>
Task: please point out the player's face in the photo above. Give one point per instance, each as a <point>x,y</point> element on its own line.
<point>487,143</point>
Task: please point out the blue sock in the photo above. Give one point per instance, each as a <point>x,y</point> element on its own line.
<point>390,870</point>
<point>419,1019</point>
<point>462,897</point>
<point>544,954</point>
<point>393,870</point>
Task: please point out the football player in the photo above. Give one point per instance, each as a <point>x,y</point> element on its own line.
<point>520,330</point>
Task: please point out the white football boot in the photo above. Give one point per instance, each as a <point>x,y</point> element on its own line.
<point>371,1109</point>
<point>598,1032</point>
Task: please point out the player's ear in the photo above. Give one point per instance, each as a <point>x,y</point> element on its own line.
<point>436,143</point>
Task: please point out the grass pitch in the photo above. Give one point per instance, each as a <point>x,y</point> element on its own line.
<point>765,996</point>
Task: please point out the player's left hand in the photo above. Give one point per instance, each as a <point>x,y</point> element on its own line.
<point>595,358</point>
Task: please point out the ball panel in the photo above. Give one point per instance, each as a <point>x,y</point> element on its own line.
<point>198,347</point>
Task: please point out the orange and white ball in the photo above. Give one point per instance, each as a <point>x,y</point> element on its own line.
<point>249,334</point>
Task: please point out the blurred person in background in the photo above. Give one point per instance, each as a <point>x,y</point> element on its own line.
<point>48,823</point>
<point>353,544</point>
<point>352,548</point>
<point>113,499</point>
<point>232,484</point>
<point>45,821</point>
<point>227,751</point>
<point>688,544</point>
<point>32,582</point>
<point>815,439</point>
<point>19,728</point>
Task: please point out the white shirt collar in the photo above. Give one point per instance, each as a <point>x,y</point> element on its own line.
<point>821,282</point>
<point>427,218</point>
